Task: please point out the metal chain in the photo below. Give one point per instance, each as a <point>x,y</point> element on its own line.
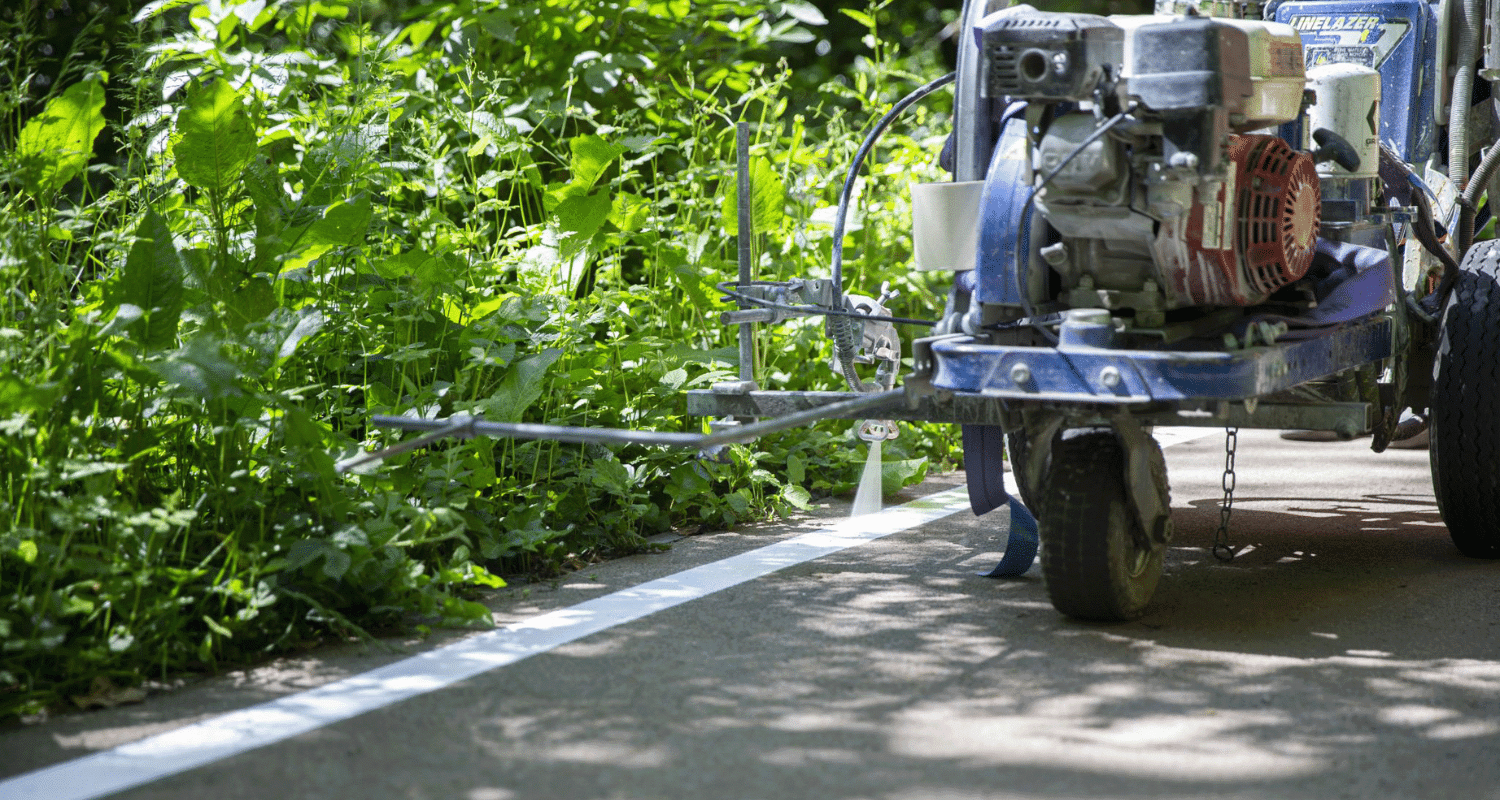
<point>1222,550</point>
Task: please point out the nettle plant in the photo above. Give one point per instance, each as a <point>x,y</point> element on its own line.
<point>514,211</point>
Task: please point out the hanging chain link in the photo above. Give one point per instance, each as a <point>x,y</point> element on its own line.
<point>1222,550</point>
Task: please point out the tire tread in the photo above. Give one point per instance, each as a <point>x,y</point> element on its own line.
<point>1465,406</point>
<point>1085,520</point>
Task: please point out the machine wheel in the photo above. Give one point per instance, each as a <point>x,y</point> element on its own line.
<point>1096,561</point>
<point>1465,422</point>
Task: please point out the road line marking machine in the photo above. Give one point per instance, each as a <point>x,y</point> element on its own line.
<point>1221,214</point>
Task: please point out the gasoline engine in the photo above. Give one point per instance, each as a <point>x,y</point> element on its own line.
<point>1156,160</point>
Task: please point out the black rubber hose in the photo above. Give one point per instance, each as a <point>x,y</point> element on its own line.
<point>1468,203</point>
<point>843,330</point>
<point>1470,19</point>
<point>1024,249</point>
<point>1402,183</point>
<point>859,158</point>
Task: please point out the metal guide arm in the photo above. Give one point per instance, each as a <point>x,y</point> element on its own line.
<point>467,427</point>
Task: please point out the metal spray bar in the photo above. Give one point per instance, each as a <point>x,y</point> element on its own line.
<point>466,427</point>
<point>824,405</point>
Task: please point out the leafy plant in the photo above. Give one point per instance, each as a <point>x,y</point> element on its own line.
<point>318,212</point>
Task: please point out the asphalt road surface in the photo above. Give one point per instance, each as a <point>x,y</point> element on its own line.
<point>1349,651</point>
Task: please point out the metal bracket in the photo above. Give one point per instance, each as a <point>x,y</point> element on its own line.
<point>1040,428</point>
<point>1145,478</point>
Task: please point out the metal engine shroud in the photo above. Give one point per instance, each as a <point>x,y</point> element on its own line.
<point>1182,205</point>
<point>1253,236</point>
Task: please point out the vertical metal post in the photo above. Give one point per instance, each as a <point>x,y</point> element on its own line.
<point>746,231</point>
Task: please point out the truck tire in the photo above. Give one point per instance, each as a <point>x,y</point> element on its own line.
<point>1095,562</point>
<point>1465,406</point>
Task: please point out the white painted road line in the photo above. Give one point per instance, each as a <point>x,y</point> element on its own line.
<point>208,741</point>
<point>214,739</point>
<point>1168,436</point>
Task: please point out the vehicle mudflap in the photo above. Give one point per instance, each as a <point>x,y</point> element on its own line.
<point>984,463</point>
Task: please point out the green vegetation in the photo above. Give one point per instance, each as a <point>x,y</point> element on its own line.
<point>234,230</point>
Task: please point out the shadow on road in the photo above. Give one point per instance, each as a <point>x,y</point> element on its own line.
<point>1349,651</point>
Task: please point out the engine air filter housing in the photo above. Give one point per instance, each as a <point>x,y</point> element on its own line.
<point>1048,56</point>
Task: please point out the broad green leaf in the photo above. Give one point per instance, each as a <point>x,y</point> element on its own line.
<point>343,224</point>
<point>278,336</point>
<point>156,8</point>
<point>522,385</point>
<point>528,168</point>
<point>263,187</point>
<point>423,268</point>
<point>313,439</point>
<point>630,212</point>
<point>479,576</point>
<point>498,128</point>
<point>485,308</point>
<point>896,474</point>
<point>252,13</point>
<point>152,280</point>
<point>804,12</point>
<point>796,469</point>
<point>263,184</point>
<point>611,476</point>
<point>767,199</point>
<point>358,146</point>
<point>498,24</point>
<point>253,300</point>
<point>216,140</point>
<point>592,155</point>
<point>674,379</point>
<point>303,551</point>
<point>558,192</point>
<point>200,367</point>
<point>479,146</point>
<point>304,15</point>
<point>120,639</point>
<point>798,497</point>
<point>470,574</point>
<point>420,31</point>
<point>21,396</point>
<point>309,322</point>
<point>789,32</point>
<point>336,563</point>
<point>543,264</point>
<point>601,76</point>
<point>77,471</point>
<point>56,145</point>
<point>687,481</point>
<point>578,218</point>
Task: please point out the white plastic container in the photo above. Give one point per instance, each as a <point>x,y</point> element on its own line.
<point>945,225</point>
<point>1349,105</point>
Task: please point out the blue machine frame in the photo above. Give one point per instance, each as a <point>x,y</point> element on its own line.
<point>1396,37</point>
<point>1078,372</point>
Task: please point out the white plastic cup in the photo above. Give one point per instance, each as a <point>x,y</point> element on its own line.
<point>945,225</point>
